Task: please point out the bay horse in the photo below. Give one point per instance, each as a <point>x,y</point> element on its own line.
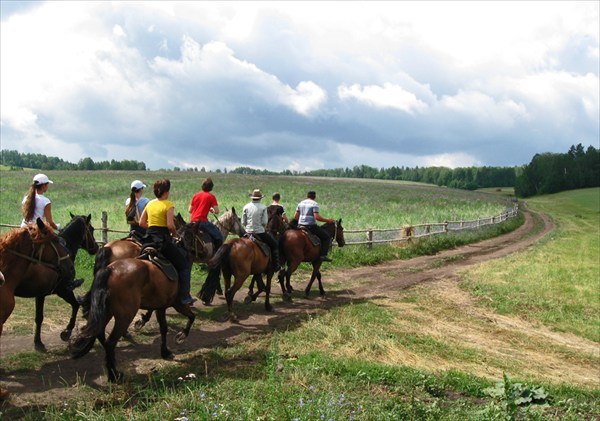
<point>34,263</point>
<point>297,247</point>
<point>240,258</point>
<point>119,291</point>
<point>78,233</point>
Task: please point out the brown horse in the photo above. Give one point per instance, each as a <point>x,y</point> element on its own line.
<point>34,263</point>
<point>297,247</point>
<point>240,258</point>
<point>120,290</point>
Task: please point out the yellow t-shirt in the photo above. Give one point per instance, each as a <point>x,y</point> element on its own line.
<point>157,212</point>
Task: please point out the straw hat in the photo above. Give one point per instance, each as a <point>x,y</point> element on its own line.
<point>256,195</point>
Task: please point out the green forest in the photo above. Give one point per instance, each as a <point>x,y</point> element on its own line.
<point>546,173</point>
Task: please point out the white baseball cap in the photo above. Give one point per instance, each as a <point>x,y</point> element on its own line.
<point>41,179</point>
<point>137,184</point>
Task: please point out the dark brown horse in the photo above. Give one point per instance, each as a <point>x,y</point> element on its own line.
<point>297,247</point>
<point>120,290</point>
<point>275,226</point>
<point>34,263</point>
<point>78,233</point>
<point>240,258</point>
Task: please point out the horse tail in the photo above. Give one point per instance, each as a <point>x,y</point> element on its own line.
<point>102,258</point>
<point>221,255</point>
<point>94,303</point>
<point>211,284</point>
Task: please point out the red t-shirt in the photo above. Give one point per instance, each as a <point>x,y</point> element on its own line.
<point>201,204</point>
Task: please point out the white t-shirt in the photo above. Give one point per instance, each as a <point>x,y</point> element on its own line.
<point>41,202</point>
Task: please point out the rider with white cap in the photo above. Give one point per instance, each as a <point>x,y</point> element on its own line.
<point>36,205</point>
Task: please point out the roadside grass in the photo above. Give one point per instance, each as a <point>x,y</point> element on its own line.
<point>556,282</point>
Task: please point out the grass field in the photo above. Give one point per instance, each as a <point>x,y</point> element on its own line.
<point>435,351</point>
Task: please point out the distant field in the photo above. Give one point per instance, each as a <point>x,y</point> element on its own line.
<point>360,203</point>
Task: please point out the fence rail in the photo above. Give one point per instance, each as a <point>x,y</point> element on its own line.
<point>371,236</point>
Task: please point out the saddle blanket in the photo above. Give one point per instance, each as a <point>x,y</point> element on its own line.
<point>153,256</point>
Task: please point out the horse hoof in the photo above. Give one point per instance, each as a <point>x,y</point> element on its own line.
<point>115,376</point>
<point>248,299</point>
<point>138,325</point>
<point>180,337</point>
<point>287,298</point>
<point>269,308</point>
<point>233,319</point>
<point>168,355</point>
<point>40,347</point>
<point>65,335</point>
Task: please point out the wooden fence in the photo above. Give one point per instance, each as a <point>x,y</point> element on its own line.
<point>367,236</point>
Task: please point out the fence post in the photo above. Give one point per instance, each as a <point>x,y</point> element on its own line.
<point>445,226</point>
<point>104,227</point>
<point>370,238</point>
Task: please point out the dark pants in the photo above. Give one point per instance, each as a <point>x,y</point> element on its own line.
<point>323,236</point>
<point>177,257</point>
<point>273,245</point>
<point>213,231</point>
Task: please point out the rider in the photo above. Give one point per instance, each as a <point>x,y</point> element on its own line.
<point>36,205</point>
<point>159,221</point>
<point>254,220</point>
<point>277,208</point>
<point>134,206</point>
<point>202,203</point>
<point>307,215</point>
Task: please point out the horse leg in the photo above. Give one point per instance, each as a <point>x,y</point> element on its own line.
<point>230,293</point>
<point>39,318</point>
<point>119,329</point>
<point>321,289</point>
<point>161,318</point>
<point>268,305</point>
<point>186,311</point>
<point>313,276</point>
<point>139,324</point>
<point>69,297</point>
<point>260,288</point>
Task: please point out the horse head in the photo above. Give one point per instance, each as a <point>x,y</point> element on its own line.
<point>276,225</point>
<point>336,231</point>
<point>79,232</point>
<point>230,222</point>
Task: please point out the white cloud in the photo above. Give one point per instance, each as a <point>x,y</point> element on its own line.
<point>386,96</point>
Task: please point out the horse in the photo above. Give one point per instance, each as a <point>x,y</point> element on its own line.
<point>275,226</point>
<point>34,263</point>
<point>297,247</point>
<point>78,233</point>
<point>240,258</point>
<point>119,291</point>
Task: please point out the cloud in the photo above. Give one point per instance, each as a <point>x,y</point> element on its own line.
<point>283,85</point>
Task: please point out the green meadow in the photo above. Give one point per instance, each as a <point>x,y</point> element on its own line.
<point>487,346</point>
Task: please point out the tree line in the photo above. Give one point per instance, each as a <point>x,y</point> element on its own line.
<point>546,173</point>
<point>16,160</point>
<point>553,172</point>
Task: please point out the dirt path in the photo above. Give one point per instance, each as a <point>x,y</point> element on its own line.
<point>55,379</point>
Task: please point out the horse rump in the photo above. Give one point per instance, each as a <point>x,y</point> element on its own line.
<point>94,308</point>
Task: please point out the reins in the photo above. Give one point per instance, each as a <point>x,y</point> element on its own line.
<point>39,260</point>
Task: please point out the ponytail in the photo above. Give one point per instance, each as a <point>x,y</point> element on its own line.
<point>28,207</point>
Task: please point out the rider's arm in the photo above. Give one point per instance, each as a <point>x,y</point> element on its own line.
<point>320,218</point>
<point>171,221</point>
<point>48,216</point>
<point>144,220</point>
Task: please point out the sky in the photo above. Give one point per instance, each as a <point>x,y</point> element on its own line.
<point>285,85</point>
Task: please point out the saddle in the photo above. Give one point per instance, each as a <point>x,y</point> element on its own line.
<point>264,247</point>
<point>316,241</point>
<point>152,255</point>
